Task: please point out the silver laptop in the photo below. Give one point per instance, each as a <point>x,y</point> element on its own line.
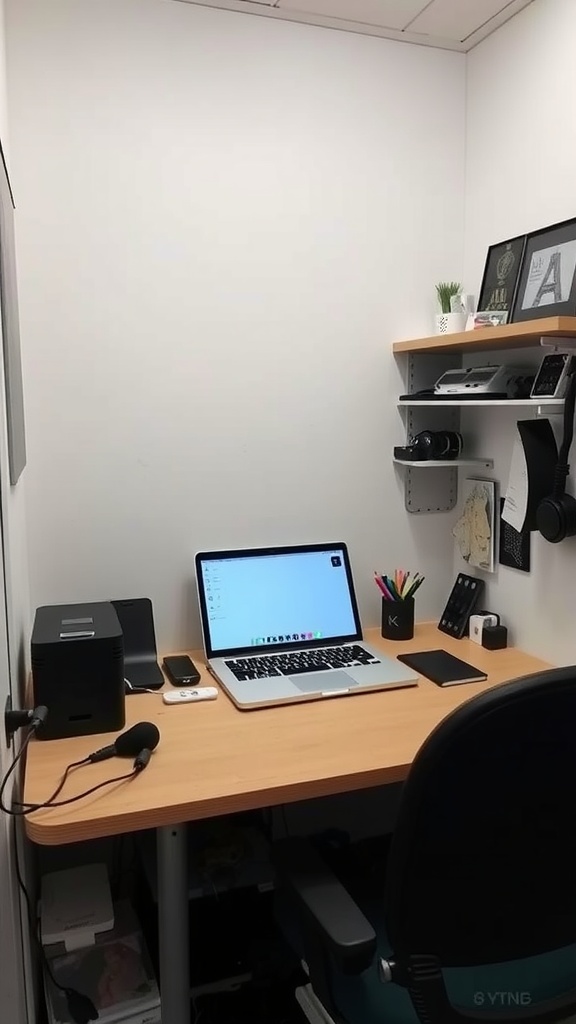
<point>282,625</point>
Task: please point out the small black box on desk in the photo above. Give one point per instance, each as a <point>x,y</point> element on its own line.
<point>77,655</point>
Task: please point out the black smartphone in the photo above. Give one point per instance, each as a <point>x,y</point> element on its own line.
<point>181,670</point>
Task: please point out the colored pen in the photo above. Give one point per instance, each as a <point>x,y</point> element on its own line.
<point>400,586</point>
<point>380,584</point>
<point>379,581</point>
<point>414,586</point>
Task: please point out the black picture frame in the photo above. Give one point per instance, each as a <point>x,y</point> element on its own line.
<point>547,284</point>
<point>501,275</point>
<point>514,547</point>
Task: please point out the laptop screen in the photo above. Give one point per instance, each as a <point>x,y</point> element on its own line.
<point>270,598</point>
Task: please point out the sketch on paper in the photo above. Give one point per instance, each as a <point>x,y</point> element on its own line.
<point>474,531</point>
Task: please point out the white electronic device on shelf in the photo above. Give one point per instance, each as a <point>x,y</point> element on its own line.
<point>483,380</point>
<point>552,376</point>
<point>76,905</point>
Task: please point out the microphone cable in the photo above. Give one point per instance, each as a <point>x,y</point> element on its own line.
<point>142,759</point>
<point>25,809</point>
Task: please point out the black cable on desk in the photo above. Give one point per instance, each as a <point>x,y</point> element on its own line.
<point>25,742</point>
<point>48,802</point>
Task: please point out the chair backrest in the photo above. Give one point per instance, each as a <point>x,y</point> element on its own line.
<point>482,867</point>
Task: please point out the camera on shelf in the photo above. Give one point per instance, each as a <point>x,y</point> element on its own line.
<point>440,445</point>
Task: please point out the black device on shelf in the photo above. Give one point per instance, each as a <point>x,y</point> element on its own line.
<point>552,377</point>
<point>431,444</point>
<point>463,599</point>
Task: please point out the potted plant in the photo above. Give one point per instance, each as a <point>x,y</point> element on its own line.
<point>447,322</point>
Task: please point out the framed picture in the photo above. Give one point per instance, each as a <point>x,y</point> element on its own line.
<point>547,285</point>
<point>11,329</point>
<point>495,318</point>
<point>514,546</point>
<point>476,527</point>
<point>501,274</point>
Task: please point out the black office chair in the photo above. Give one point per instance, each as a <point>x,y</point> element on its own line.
<point>476,919</point>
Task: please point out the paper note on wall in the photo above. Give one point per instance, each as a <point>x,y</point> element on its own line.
<point>516,500</point>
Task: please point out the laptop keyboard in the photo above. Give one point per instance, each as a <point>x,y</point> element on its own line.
<point>297,662</point>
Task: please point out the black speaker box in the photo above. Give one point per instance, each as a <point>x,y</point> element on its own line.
<point>77,655</point>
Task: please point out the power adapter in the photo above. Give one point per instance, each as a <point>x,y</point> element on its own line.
<point>495,638</point>
<point>478,624</point>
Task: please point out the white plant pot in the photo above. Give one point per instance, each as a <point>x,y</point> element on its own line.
<point>450,323</point>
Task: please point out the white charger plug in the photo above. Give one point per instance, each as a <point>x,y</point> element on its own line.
<point>477,622</point>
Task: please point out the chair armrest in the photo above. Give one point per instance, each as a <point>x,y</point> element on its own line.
<point>325,904</point>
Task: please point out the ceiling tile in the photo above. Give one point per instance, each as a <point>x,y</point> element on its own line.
<point>384,13</point>
<point>454,19</point>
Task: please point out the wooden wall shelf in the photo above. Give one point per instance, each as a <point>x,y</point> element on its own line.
<point>520,335</point>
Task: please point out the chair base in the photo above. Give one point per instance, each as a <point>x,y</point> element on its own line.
<point>311,1006</point>
<point>315,1013</point>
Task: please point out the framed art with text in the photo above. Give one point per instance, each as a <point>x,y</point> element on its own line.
<point>501,273</point>
<point>547,285</point>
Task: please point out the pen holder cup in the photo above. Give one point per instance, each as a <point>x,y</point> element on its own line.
<point>398,619</point>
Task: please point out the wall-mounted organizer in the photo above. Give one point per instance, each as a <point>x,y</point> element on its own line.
<point>432,486</point>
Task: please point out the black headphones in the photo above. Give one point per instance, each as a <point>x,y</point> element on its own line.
<point>556,515</point>
<point>431,444</point>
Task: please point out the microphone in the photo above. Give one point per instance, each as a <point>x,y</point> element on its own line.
<point>143,736</point>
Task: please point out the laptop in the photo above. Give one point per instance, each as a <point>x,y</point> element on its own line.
<point>282,625</point>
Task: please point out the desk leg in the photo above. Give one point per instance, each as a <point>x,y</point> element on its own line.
<point>173,923</point>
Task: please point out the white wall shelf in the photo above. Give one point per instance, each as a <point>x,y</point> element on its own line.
<point>552,405</point>
<point>445,463</point>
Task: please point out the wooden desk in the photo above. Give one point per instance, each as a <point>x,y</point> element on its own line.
<point>213,759</point>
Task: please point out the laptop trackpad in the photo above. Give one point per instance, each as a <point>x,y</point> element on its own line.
<point>323,682</point>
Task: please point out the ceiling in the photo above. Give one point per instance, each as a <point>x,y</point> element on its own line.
<point>449,24</point>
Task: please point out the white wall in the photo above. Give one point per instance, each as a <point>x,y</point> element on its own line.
<point>13,498</point>
<point>521,174</point>
<point>223,224</point>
